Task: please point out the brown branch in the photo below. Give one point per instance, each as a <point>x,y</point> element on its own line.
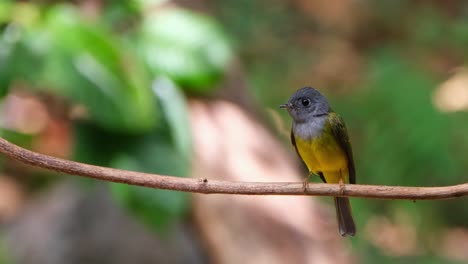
<point>226,187</point>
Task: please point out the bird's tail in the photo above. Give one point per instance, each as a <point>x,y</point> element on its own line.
<point>345,217</point>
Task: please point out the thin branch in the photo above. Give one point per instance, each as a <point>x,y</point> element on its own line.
<point>227,187</point>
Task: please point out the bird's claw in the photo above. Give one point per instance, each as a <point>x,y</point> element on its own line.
<point>305,184</point>
<point>342,185</point>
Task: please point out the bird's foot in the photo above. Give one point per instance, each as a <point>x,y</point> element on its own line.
<point>305,183</point>
<point>342,185</point>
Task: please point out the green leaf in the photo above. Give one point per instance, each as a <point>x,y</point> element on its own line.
<point>157,208</point>
<point>17,138</point>
<point>152,153</point>
<point>92,67</point>
<point>174,109</point>
<point>17,59</point>
<point>120,15</point>
<point>189,48</point>
<point>21,47</point>
<point>6,8</point>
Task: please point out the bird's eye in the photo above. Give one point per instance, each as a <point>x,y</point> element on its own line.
<point>305,102</point>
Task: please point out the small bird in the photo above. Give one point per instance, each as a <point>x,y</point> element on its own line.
<point>320,138</point>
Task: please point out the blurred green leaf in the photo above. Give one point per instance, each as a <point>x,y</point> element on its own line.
<point>17,138</point>
<point>152,153</point>
<point>174,108</point>
<point>6,7</point>
<point>156,208</point>
<point>21,53</point>
<point>189,48</point>
<point>120,15</point>
<point>92,67</point>
<point>18,59</point>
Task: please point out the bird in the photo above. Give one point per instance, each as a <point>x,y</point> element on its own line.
<point>321,140</point>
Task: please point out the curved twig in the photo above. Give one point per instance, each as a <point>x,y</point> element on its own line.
<point>227,187</point>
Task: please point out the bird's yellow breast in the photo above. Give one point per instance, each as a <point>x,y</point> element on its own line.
<point>324,154</point>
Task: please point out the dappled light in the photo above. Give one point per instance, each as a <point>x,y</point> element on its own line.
<point>452,95</point>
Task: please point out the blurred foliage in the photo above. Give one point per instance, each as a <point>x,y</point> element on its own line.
<point>129,69</point>
<point>90,65</point>
<point>191,51</point>
<point>16,137</point>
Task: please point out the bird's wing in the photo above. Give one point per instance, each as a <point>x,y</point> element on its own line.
<point>293,142</point>
<point>341,136</point>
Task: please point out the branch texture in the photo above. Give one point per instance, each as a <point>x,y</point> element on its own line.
<point>226,187</point>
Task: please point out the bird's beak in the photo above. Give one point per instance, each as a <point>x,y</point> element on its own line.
<point>286,106</point>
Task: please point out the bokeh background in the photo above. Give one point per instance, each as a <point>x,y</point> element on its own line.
<point>118,84</point>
